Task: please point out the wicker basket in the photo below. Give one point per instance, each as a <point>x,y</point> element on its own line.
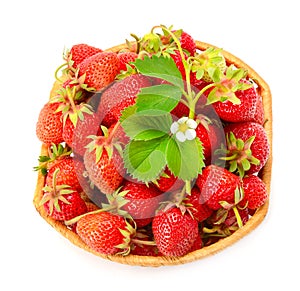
<point>253,222</point>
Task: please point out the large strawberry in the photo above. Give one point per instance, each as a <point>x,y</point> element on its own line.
<point>62,202</point>
<point>142,203</point>
<point>247,147</point>
<point>104,163</point>
<point>174,232</point>
<point>80,52</point>
<point>100,69</point>
<point>105,233</point>
<point>217,185</point>
<point>119,96</point>
<point>49,127</point>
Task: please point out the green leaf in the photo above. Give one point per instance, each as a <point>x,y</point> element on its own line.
<point>128,111</point>
<point>147,125</point>
<point>160,67</point>
<point>185,159</point>
<point>161,97</point>
<point>145,160</point>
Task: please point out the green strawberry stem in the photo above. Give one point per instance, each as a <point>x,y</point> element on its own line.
<point>238,217</point>
<point>57,70</point>
<point>143,242</point>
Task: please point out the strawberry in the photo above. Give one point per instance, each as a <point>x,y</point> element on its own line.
<point>174,232</point>
<point>66,176</point>
<point>110,107</point>
<point>188,43</point>
<point>251,151</point>
<point>100,69</point>
<point>217,185</point>
<point>198,209</point>
<point>77,137</point>
<point>105,232</point>
<point>259,115</point>
<point>142,202</point>
<point>175,55</point>
<point>80,52</point>
<point>168,182</point>
<point>103,162</point>
<point>244,111</point>
<point>49,127</point>
<point>207,132</point>
<point>125,58</point>
<point>180,110</point>
<point>144,250</point>
<point>255,192</point>
<point>62,202</point>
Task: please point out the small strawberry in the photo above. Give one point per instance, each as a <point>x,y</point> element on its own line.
<point>142,203</point>
<point>168,182</point>
<point>66,176</point>
<point>125,58</point>
<point>247,147</point>
<point>105,232</point>
<point>198,209</point>
<point>103,161</point>
<point>49,127</point>
<point>126,90</point>
<point>217,185</point>
<point>80,52</point>
<point>62,202</point>
<point>174,232</point>
<point>188,43</point>
<point>100,69</point>
<point>255,192</point>
<point>208,133</point>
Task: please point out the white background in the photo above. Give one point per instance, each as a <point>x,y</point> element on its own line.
<point>33,35</point>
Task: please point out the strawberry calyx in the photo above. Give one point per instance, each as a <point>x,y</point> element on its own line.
<point>55,193</point>
<point>238,154</point>
<point>107,142</point>
<point>55,152</point>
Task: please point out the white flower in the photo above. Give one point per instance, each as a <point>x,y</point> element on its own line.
<point>184,129</point>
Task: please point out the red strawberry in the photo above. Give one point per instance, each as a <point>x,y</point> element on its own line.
<point>77,137</point>
<point>180,110</point>
<point>168,182</point>
<point>217,185</point>
<point>255,192</point>
<point>199,210</point>
<point>244,111</point>
<point>62,202</point>
<point>207,132</point>
<point>178,61</point>
<point>126,91</point>
<point>66,176</point>
<point>125,58</point>
<point>259,115</point>
<point>142,202</point>
<point>104,232</point>
<point>252,153</point>
<point>104,163</point>
<point>197,244</point>
<point>100,69</point>
<point>174,232</point>
<point>188,43</point>
<point>80,52</point>
<point>49,126</point>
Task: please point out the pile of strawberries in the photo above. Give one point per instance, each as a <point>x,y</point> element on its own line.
<point>154,150</point>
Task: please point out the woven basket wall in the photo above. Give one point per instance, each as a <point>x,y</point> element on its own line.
<point>253,222</point>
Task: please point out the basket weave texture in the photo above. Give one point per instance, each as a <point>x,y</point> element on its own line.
<point>254,221</point>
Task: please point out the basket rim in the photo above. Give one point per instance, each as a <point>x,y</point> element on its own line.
<point>253,222</point>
